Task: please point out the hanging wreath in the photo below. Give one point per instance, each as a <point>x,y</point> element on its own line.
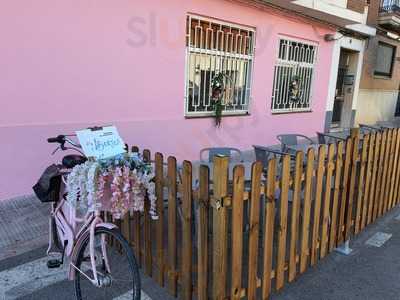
<point>294,90</point>
<point>217,94</point>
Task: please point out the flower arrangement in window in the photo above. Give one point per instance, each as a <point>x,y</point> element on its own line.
<point>294,90</point>
<point>119,184</point>
<point>217,94</point>
<point>217,91</point>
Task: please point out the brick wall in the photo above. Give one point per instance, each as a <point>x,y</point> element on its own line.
<point>357,5</point>
<point>373,12</point>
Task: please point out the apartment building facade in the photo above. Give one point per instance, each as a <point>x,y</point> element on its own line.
<point>378,98</point>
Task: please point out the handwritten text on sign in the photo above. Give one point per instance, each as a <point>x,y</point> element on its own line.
<point>101,143</point>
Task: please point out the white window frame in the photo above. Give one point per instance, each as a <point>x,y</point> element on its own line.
<point>249,58</point>
<point>283,62</point>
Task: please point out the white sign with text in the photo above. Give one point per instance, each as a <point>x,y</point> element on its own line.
<point>101,142</point>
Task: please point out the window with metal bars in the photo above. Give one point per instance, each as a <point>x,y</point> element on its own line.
<point>216,49</point>
<point>293,76</point>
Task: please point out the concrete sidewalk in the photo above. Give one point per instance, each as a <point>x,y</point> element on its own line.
<point>23,225</point>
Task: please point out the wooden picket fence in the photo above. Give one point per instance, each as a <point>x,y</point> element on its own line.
<point>227,237</point>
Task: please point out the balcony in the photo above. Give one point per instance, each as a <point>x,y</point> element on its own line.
<point>342,13</point>
<point>332,11</point>
<point>389,15</point>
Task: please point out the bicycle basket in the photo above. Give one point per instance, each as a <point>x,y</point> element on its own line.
<point>47,189</point>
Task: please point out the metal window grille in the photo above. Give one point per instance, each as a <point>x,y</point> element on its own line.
<point>212,48</point>
<point>390,6</point>
<point>296,62</point>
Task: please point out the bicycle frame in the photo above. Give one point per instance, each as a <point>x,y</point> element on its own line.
<point>72,230</point>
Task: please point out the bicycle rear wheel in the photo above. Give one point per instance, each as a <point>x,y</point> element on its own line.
<point>123,282</point>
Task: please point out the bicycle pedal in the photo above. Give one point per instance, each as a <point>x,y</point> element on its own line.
<point>54,263</point>
<point>54,254</point>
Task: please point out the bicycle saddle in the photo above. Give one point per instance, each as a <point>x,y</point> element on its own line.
<point>70,161</point>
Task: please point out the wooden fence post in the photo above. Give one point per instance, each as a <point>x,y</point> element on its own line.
<point>394,174</point>
<point>353,176</point>
<point>202,248</point>
<point>118,223</point>
<point>126,227</point>
<point>354,132</point>
<point>269,228</point>
<point>361,199</point>
<point>136,236</point>
<point>389,182</point>
<point>294,228</point>
<point>220,255</point>
<point>374,195</point>
<point>317,205</point>
<point>148,257</point>
<point>336,193</point>
<point>172,251</point>
<point>327,202</point>
<point>159,178</point>
<point>282,232</point>
<point>368,181</point>
<point>135,228</point>
<point>237,231</point>
<point>384,192</point>
<point>305,230</point>
<point>254,229</point>
<point>380,181</point>
<point>187,287</point>
<point>135,149</point>
<point>343,192</point>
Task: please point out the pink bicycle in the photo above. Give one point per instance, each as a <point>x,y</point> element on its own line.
<point>102,263</point>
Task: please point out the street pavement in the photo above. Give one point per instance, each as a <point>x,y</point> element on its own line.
<point>26,277</point>
<point>372,271</point>
<point>368,273</point>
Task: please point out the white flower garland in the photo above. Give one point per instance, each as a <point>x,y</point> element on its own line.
<point>87,182</point>
<point>91,187</point>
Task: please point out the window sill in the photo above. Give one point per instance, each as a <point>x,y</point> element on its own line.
<point>212,114</point>
<point>282,112</point>
<point>382,77</point>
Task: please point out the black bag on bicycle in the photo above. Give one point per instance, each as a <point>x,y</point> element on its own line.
<point>47,189</point>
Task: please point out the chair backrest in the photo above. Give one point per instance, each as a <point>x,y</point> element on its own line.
<point>261,155</point>
<point>225,151</point>
<point>287,139</point>
<point>389,124</point>
<point>343,134</point>
<point>292,139</point>
<point>321,138</point>
<point>365,129</point>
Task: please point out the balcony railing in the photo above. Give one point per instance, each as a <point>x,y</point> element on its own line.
<point>390,6</point>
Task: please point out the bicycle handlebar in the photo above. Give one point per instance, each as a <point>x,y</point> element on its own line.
<point>62,139</point>
<point>59,139</point>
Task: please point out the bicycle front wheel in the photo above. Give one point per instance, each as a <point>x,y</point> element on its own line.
<point>123,280</point>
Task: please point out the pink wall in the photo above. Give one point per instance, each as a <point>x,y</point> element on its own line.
<point>68,64</point>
